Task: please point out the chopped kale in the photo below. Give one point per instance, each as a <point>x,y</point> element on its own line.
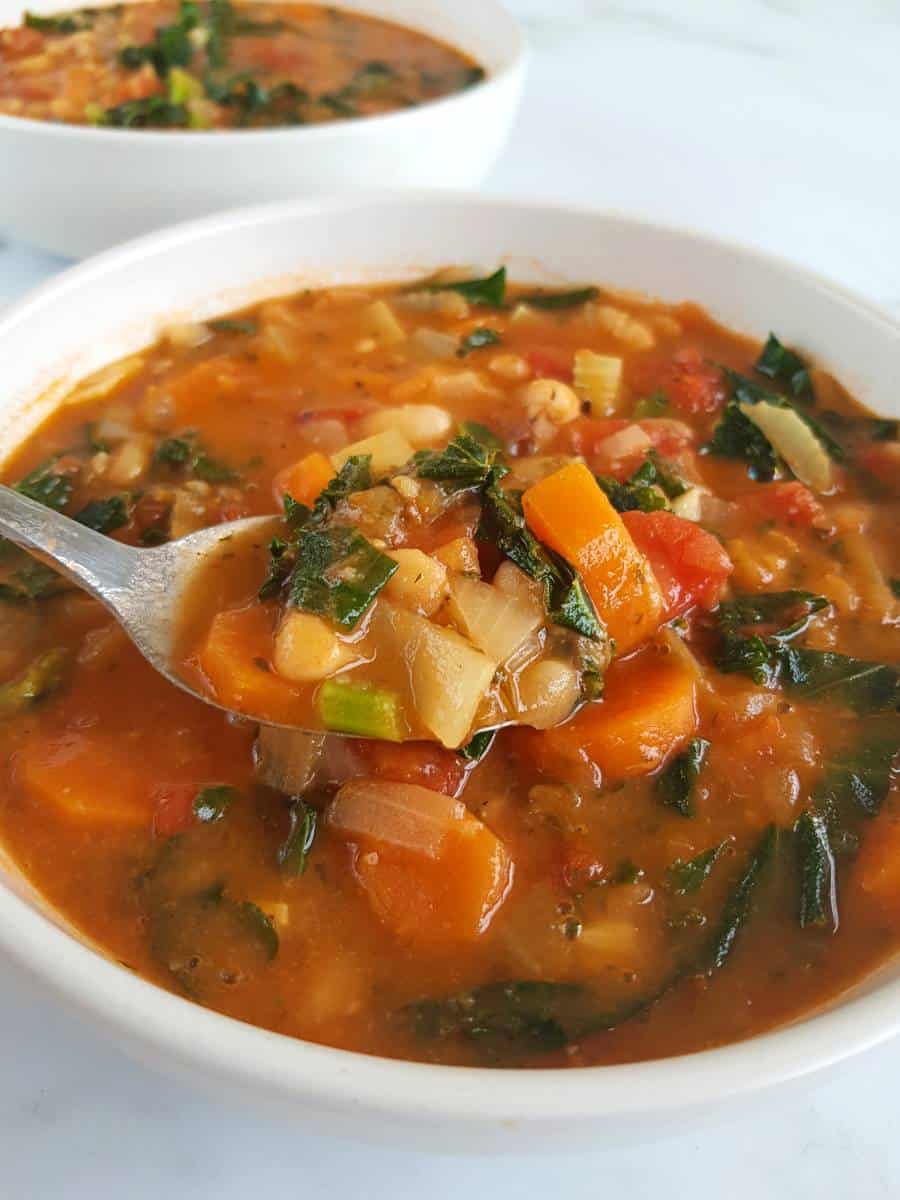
<point>866,687</point>
<point>186,453</point>
<point>337,574</point>
<point>104,515</point>
<point>280,566</point>
<point>675,786</point>
<point>737,437</point>
<point>478,339</point>
<point>565,596</point>
<point>32,581</point>
<point>150,112</point>
<point>233,325</point>
<point>685,878</point>
<point>489,291</point>
<point>47,486</point>
<point>553,301</point>
<point>294,852</point>
<point>71,22</point>
<point>466,462</point>
<point>745,391</point>
<point>480,744</point>
<point>787,367</point>
<point>213,802</point>
<point>354,476</point>
<point>519,1016</point>
<point>740,903</point>
<point>859,778</point>
<point>481,433</point>
<point>815,866</point>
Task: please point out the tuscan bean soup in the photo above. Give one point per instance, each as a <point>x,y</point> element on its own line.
<point>590,609</point>
<point>215,64</point>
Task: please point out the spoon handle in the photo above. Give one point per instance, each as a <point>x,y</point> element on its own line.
<point>103,566</point>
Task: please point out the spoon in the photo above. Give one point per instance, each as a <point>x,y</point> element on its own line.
<point>143,589</point>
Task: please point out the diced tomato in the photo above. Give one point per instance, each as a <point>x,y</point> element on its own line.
<point>693,385</point>
<point>690,564</point>
<point>174,809</point>
<point>788,503</point>
<point>552,362</point>
<point>588,434</point>
<point>423,763</point>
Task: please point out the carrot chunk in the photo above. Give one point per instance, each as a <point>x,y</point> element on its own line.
<point>431,871</point>
<point>304,480</point>
<point>234,658</point>
<point>570,513</point>
<point>87,777</point>
<point>647,712</point>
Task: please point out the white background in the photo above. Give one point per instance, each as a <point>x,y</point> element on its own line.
<point>773,121</point>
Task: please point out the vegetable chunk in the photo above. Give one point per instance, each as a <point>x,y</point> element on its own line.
<point>569,511</point>
<point>431,871</point>
<point>647,713</point>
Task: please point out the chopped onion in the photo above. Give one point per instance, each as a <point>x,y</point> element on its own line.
<point>106,380</point>
<point>628,443</point>
<point>403,815</point>
<point>435,344</point>
<point>793,439</point>
<point>496,622</point>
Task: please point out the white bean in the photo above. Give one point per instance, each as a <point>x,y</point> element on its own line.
<point>307,648</point>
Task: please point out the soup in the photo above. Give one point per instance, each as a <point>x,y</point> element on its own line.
<point>220,65</point>
<point>602,598</point>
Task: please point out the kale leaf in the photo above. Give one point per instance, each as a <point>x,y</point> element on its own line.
<point>675,786</point>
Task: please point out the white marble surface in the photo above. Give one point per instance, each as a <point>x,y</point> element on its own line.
<point>774,121</point>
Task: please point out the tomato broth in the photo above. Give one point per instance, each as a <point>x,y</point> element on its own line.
<point>601,598</point>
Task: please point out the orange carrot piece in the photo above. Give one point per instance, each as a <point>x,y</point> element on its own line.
<point>877,866</point>
<point>570,513</point>
<point>63,775</point>
<point>304,480</point>
<point>450,898</point>
<point>648,712</point>
<point>233,658</point>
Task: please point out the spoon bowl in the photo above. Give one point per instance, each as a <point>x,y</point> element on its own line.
<point>143,589</point>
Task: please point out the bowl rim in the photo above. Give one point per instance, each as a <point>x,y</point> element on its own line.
<point>291,1069</point>
<point>494,81</point>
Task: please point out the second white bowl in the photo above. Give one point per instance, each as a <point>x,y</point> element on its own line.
<point>75,189</point>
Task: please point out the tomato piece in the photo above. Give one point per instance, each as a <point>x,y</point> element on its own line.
<point>591,437</point>
<point>174,809</point>
<point>423,763</point>
<point>690,565</point>
<point>791,503</point>
<point>549,361</point>
<point>693,385</point>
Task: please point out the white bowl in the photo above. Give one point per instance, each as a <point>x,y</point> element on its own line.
<point>114,304</point>
<point>76,189</point>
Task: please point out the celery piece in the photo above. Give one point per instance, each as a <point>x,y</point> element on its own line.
<point>183,86</point>
<point>362,709</point>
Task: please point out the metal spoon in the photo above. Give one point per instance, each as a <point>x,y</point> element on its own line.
<point>143,589</point>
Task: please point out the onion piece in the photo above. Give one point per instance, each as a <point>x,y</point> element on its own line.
<point>628,443</point>
<point>793,439</point>
<point>403,815</point>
